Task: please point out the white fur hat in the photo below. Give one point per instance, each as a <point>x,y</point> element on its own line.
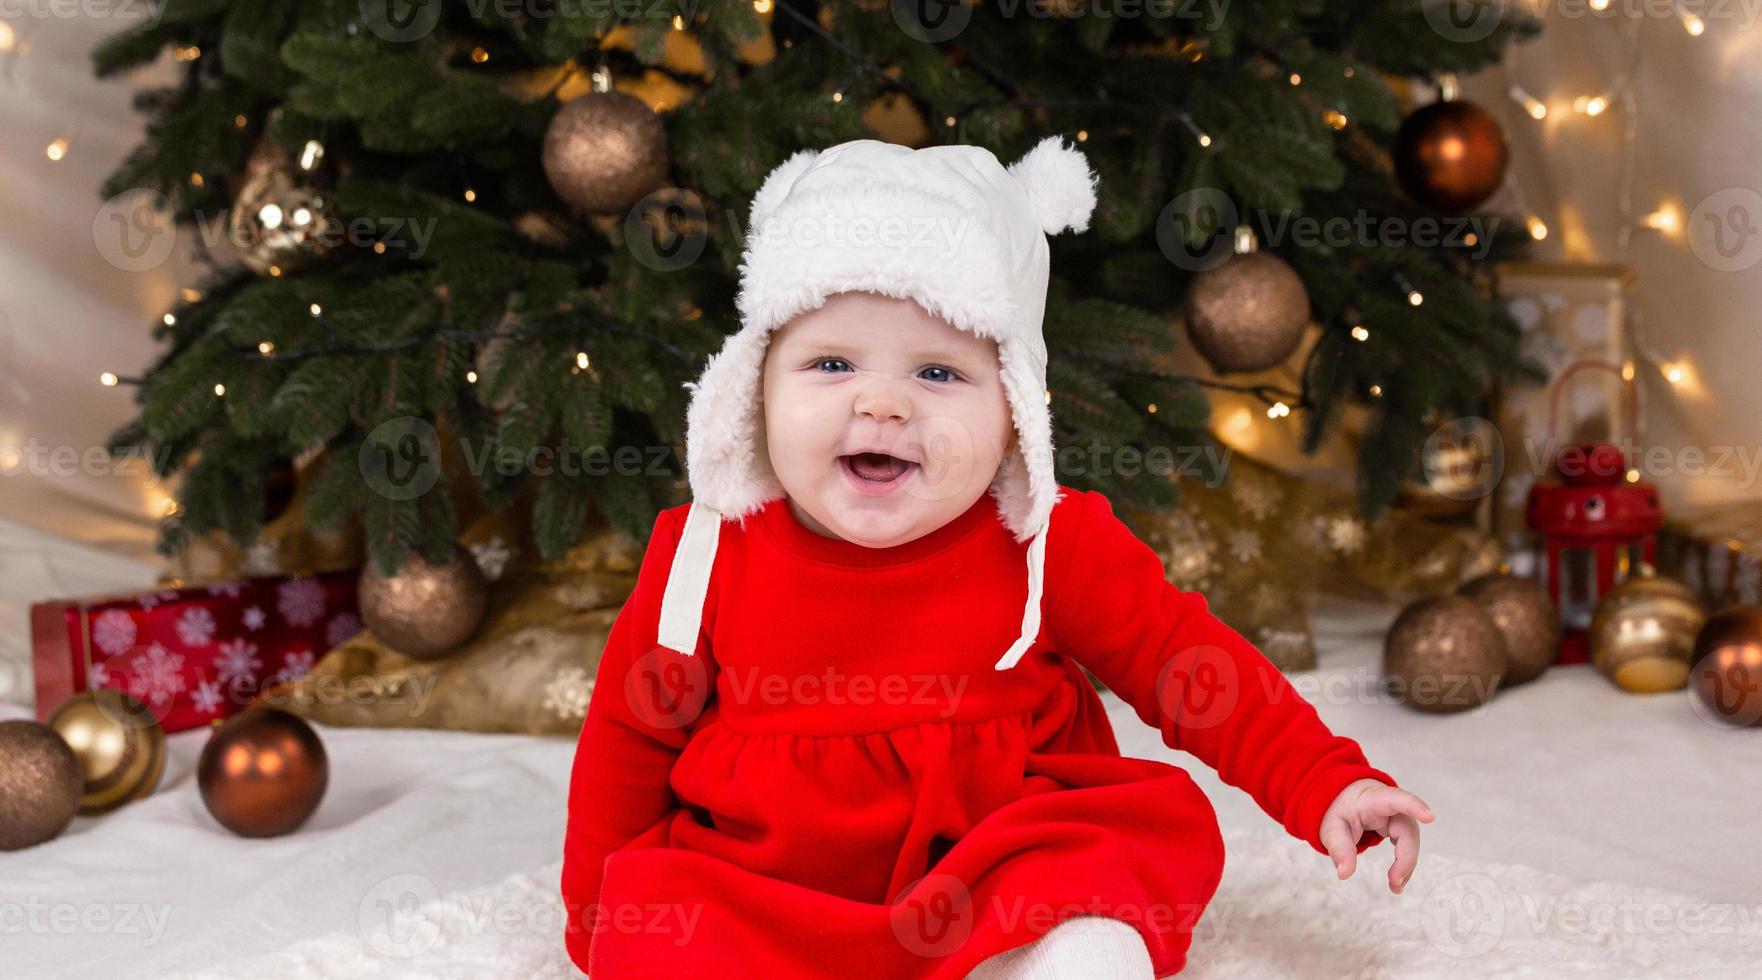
<point>947,226</point>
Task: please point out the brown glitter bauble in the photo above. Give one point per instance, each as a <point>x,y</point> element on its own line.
<point>1643,636</point>
<point>263,772</point>
<point>39,784</point>
<point>604,151</point>
<point>1247,314</point>
<point>1728,666</point>
<point>1526,619</point>
<point>425,611</point>
<point>119,743</point>
<point>1444,654</point>
<point>1450,156</point>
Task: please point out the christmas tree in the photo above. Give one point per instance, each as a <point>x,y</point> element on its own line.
<point>510,231</point>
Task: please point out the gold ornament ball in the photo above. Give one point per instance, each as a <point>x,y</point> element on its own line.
<point>281,226</point>
<point>1247,314</point>
<point>1728,666</point>
<point>39,784</point>
<point>426,610</point>
<point>1526,619</point>
<point>604,151</point>
<point>1643,635</point>
<point>1444,654</point>
<point>119,743</point>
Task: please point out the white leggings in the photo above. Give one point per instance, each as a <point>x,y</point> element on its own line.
<point>1086,947</point>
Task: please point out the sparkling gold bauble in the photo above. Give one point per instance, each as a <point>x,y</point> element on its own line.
<point>1444,654</point>
<point>39,784</point>
<point>280,225</point>
<point>1728,666</point>
<point>1526,619</point>
<point>263,772</point>
<point>604,151</point>
<point>425,611</point>
<point>1247,314</point>
<point>1643,636</point>
<point>119,743</point>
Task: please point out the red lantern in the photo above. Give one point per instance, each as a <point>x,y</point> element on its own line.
<point>1598,523</point>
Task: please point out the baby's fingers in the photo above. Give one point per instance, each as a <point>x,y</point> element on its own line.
<point>1403,831</point>
<point>1340,837</point>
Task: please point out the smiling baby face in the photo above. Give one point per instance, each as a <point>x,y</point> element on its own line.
<point>882,421</point>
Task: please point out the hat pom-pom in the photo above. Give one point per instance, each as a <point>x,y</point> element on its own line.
<point>1059,185</point>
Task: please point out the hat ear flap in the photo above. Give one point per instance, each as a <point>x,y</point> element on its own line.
<point>1059,185</point>
<point>778,184</point>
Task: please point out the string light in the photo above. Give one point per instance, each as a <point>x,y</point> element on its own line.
<point>479,55</point>
<point>107,379</point>
<point>1376,391</point>
<point>1360,334</point>
<point>1666,219</point>
<point>1537,227</point>
<point>56,149</point>
<point>1530,103</point>
<point>220,391</point>
<point>1151,408</point>
<point>169,319</point>
<point>678,22</point>
<point>1590,105</point>
<point>311,154</point>
<point>240,121</point>
<point>762,6</point>
<point>1414,298</point>
<point>1335,118</point>
<point>189,295</point>
<point>188,52</point>
<point>266,348</point>
<point>1278,410</point>
<point>196,180</point>
<point>7,37</point>
<point>1693,24</point>
<point>581,360</point>
<point>315,310</point>
<point>1296,79</point>
<point>470,377</point>
<point>838,96</point>
<point>1199,135</point>
<point>470,195</point>
<point>1082,136</point>
<point>1673,373</point>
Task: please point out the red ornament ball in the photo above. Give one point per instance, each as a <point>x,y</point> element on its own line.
<point>263,773</point>
<point>1727,678</point>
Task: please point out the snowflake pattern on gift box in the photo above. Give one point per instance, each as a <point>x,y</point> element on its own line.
<point>1257,497</point>
<point>253,619</point>
<point>195,628</point>
<point>300,601</point>
<point>206,697</point>
<point>567,694</point>
<point>342,628</point>
<point>237,660</point>
<point>98,676</point>
<point>297,664</point>
<point>149,601</point>
<point>158,677</point>
<point>1345,534</point>
<point>229,589</point>
<point>1244,544</point>
<point>113,631</point>
<point>492,557</point>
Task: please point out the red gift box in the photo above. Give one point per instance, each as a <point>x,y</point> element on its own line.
<point>193,654</point>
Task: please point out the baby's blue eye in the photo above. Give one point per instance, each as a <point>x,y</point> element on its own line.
<point>822,362</point>
<point>947,374</point>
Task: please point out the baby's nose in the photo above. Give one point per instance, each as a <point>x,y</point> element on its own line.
<point>883,398</point>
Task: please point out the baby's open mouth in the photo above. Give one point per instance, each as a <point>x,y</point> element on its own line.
<point>876,467</point>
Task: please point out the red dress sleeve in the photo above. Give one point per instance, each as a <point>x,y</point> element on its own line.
<point>1204,687</point>
<point>619,785</point>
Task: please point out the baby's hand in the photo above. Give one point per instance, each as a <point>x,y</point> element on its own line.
<point>1369,804</point>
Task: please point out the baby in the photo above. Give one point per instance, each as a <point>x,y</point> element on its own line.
<point>841,727</point>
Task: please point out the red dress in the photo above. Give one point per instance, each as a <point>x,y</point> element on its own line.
<point>838,784</point>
